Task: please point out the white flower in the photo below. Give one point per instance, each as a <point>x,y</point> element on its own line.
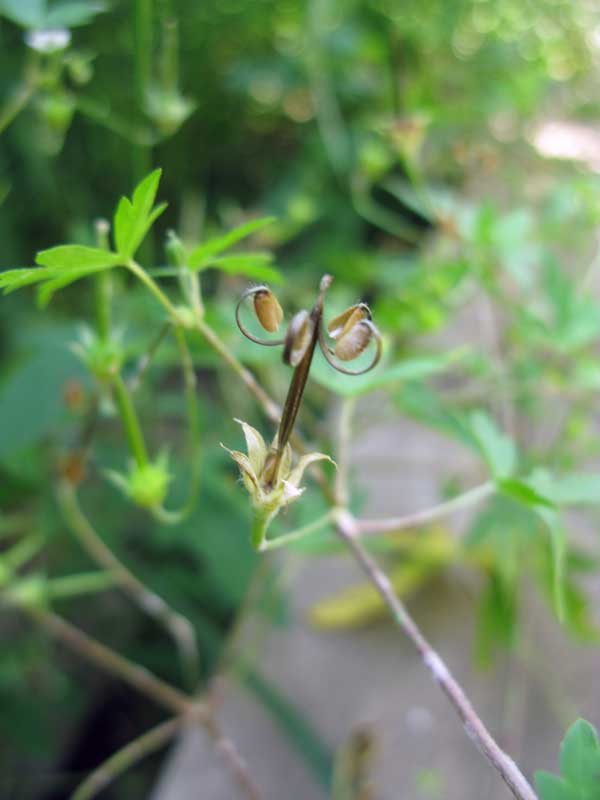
<point>49,40</point>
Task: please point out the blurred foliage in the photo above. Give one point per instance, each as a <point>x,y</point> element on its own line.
<point>399,147</point>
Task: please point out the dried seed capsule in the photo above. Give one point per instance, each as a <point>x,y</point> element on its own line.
<point>298,338</point>
<point>353,341</point>
<point>268,310</point>
<point>348,319</point>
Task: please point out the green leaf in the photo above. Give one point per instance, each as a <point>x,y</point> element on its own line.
<point>72,13</point>
<point>496,619</point>
<point>59,266</point>
<point>133,218</point>
<point>217,245</point>
<point>580,755</point>
<point>13,279</point>
<point>497,449</point>
<point>558,544</point>
<point>521,491</point>
<point>550,787</point>
<point>381,376</point>
<point>572,489</point>
<point>252,265</point>
<point>76,256</point>
<point>579,766</point>
<point>66,277</point>
<point>27,13</point>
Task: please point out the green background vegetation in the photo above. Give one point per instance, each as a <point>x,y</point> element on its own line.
<point>394,144</point>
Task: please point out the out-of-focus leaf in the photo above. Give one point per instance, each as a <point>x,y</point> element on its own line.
<point>72,13</point>
<point>571,489</point>
<point>496,619</point>
<point>558,543</point>
<point>521,491</point>
<point>212,247</point>
<point>361,604</point>
<point>294,725</point>
<point>31,402</point>
<point>384,375</point>
<point>27,13</point>
<point>252,265</point>
<point>497,448</point>
<point>579,767</point>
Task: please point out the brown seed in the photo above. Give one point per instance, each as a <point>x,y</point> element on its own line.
<point>298,338</point>
<point>268,310</point>
<point>348,319</point>
<point>353,341</point>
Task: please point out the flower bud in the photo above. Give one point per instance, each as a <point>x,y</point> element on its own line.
<point>353,341</point>
<point>268,310</point>
<point>298,338</point>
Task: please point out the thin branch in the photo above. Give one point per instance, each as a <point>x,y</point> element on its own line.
<point>127,757</point>
<point>393,524</point>
<point>176,625</point>
<point>140,678</point>
<point>270,407</point>
<point>517,783</point>
<point>158,690</point>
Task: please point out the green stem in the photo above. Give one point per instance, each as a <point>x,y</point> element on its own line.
<point>124,759</point>
<point>84,583</point>
<point>133,431</point>
<point>103,285</point>
<point>22,552</point>
<point>151,284</point>
<point>119,666</point>
<point>300,533</point>
<point>177,626</point>
<point>271,408</point>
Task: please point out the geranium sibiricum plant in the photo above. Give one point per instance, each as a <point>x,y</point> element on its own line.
<point>267,471</point>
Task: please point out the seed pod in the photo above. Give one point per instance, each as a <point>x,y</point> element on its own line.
<point>348,319</point>
<point>298,338</point>
<point>268,310</point>
<point>353,341</point>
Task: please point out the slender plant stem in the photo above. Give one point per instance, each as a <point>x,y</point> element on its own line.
<point>138,677</point>
<point>341,489</point>
<point>349,530</point>
<point>177,626</point>
<point>77,585</point>
<point>474,727</point>
<point>271,409</point>
<point>393,524</point>
<point>143,363</point>
<point>151,284</point>
<point>133,430</point>
<point>145,682</point>
<point>300,533</point>
<point>126,757</point>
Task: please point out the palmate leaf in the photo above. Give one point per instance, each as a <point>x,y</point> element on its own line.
<point>134,218</point>
<point>579,766</point>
